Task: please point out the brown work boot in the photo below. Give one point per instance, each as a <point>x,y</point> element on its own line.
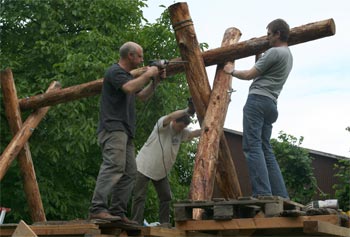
<point>127,221</point>
<point>104,216</point>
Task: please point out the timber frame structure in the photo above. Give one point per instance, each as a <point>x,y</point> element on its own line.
<point>213,159</point>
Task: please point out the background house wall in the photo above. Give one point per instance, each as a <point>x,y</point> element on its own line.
<point>323,164</point>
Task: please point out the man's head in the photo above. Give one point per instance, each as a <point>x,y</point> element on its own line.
<point>277,32</point>
<point>132,54</point>
<point>181,123</point>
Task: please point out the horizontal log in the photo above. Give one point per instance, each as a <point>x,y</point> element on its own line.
<point>298,35</point>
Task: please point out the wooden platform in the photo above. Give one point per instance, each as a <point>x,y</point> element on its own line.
<point>321,225</point>
<point>221,209</point>
<point>243,217</point>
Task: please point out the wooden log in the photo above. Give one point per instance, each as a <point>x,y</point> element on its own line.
<point>22,136</point>
<point>25,162</point>
<point>202,185</point>
<point>301,34</point>
<point>195,74</point>
<point>226,175</point>
<point>255,46</point>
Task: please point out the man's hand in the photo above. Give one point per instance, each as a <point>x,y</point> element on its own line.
<point>162,74</point>
<point>190,107</point>
<point>152,71</point>
<point>229,68</point>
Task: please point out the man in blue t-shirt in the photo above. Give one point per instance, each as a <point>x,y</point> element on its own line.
<point>269,74</point>
<point>116,130</point>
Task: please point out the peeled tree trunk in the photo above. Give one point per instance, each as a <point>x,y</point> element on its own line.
<point>200,91</point>
<point>298,35</point>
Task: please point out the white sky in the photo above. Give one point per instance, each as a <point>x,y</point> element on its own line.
<point>315,100</point>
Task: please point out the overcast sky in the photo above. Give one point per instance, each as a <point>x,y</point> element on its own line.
<point>315,101</point>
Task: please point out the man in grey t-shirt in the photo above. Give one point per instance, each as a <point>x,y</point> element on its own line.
<point>269,74</point>
<point>155,160</point>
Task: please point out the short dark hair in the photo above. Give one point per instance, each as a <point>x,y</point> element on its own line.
<point>184,119</point>
<point>279,25</point>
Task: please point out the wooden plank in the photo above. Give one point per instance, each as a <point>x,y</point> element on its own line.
<point>254,223</point>
<point>67,229</point>
<point>160,231</point>
<point>322,227</point>
<point>23,230</point>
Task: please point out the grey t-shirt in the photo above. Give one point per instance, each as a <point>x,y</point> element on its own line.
<point>274,67</point>
<point>158,154</point>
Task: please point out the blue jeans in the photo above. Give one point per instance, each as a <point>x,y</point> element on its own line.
<point>117,174</point>
<point>259,113</point>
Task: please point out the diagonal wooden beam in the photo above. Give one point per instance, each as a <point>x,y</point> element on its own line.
<point>201,186</point>
<point>213,159</point>
<point>21,137</point>
<point>19,145</point>
<point>298,35</point>
<point>25,162</point>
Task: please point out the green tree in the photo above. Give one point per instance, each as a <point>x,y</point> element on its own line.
<point>342,188</point>
<point>296,167</point>
<point>73,42</point>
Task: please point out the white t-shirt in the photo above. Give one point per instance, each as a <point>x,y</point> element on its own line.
<point>158,154</point>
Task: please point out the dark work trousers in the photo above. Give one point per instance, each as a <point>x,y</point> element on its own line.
<point>117,174</point>
<point>139,198</point>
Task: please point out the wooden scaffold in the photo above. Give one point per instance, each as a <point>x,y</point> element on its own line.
<point>232,215</point>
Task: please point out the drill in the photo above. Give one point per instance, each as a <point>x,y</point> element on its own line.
<point>163,63</point>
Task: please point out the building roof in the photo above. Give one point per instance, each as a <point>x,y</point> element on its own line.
<point>319,153</point>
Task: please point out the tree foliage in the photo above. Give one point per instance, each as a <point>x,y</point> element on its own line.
<point>342,188</point>
<point>296,167</point>
<point>73,42</point>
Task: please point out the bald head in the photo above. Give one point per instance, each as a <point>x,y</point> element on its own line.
<point>128,47</point>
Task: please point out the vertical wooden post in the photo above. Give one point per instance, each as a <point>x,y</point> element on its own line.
<point>19,145</point>
<point>197,80</point>
<point>202,185</point>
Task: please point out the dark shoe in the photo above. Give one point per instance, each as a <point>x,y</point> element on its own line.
<point>165,225</point>
<point>104,216</point>
<point>127,221</point>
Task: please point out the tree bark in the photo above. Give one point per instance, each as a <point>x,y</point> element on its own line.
<point>25,162</point>
<point>203,179</point>
<point>196,74</point>
<point>23,133</point>
<point>198,84</point>
<point>301,34</point>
